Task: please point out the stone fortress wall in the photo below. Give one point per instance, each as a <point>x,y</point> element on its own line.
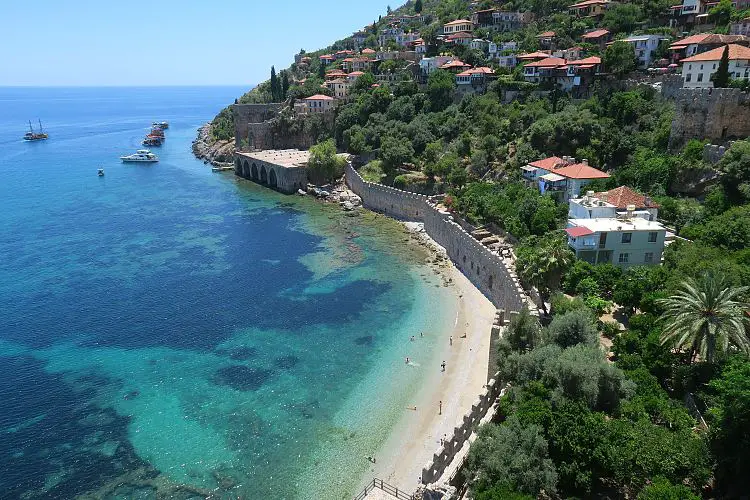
<point>486,270</point>
<point>715,114</point>
<point>253,125</point>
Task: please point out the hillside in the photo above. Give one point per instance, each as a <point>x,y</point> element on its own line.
<point>521,113</point>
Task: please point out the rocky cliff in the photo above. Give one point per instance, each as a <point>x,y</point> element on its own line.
<point>206,148</point>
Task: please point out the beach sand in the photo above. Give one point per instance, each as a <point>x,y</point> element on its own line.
<point>417,435</point>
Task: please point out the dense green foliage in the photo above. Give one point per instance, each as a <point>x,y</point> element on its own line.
<point>324,164</point>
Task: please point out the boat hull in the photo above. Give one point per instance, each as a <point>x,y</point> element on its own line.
<point>130,160</point>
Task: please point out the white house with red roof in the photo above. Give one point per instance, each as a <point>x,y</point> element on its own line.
<point>546,38</point>
<point>318,103</point>
<point>608,204</point>
<point>564,178</point>
<point>571,76</point>
<point>327,59</point>
<point>457,26</point>
<point>698,69</point>
<point>474,80</point>
<point>589,8</point>
<point>598,37</point>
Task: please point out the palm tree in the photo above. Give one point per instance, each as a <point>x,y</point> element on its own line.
<point>706,316</point>
<point>543,263</point>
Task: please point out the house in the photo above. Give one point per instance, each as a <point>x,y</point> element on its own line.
<point>644,47</point>
<point>597,37</point>
<point>563,177</point>
<point>398,36</point>
<point>625,240</point>
<point>356,64</point>
<point>479,44</point>
<point>686,47</point>
<point>318,103</point>
<point>460,38</point>
<point>546,39</point>
<point>741,27</point>
<point>569,54</point>
<point>574,76</point>
<point>589,8</point>
<point>359,37</point>
<point>342,54</point>
<point>326,59</point>
<point>474,80</point>
<point>339,87</point>
<point>543,69</point>
<point>483,18</point>
<point>698,69</point>
<point>455,66</point>
<point>429,64</point>
<point>457,26</point>
<point>498,20</point>
<point>609,204</point>
<point>334,74</point>
<point>533,56</point>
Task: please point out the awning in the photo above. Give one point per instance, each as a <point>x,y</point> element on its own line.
<point>552,177</point>
<point>585,66</point>
<point>578,231</point>
<point>528,168</point>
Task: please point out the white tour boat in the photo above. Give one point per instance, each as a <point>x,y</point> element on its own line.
<point>140,156</point>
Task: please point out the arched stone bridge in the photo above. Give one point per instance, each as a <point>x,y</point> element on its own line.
<point>283,170</point>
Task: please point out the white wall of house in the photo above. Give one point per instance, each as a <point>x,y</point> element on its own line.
<point>697,75</point>
<point>624,248</point>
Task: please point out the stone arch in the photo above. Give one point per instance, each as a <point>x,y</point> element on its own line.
<point>263,175</point>
<point>254,173</point>
<point>245,169</point>
<point>272,181</point>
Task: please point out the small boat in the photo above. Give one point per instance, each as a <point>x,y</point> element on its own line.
<point>157,132</point>
<point>161,125</point>
<point>35,136</point>
<point>140,156</point>
<point>100,173</point>
<point>152,140</point>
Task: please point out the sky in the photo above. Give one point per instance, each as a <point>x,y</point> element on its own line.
<point>166,42</point>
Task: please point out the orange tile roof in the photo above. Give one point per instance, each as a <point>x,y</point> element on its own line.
<point>586,3</point>
<point>460,34</point>
<point>735,52</point>
<point>679,44</point>
<point>547,63</point>
<point>319,97</point>
<point>586,61</point>
<point>368,51</point>
<point>455,63</point>
<point>581,171</point>
<point>533,55</point>
<point>595,34</point>
<point>546,34</point>
<point>548,164</point>
<point>623,196</point>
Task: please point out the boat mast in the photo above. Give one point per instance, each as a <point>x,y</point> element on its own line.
<point>31,129</point>
<point>40,126</point>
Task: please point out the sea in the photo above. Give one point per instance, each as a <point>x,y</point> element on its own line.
<point>170,332</point>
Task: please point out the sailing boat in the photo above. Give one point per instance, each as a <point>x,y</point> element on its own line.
<point>35,136</point>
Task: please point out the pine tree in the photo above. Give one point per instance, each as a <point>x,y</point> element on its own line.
<point>418,6</point>
<point>721,77</point>
<point>274,85</point>
<point>284,84</point>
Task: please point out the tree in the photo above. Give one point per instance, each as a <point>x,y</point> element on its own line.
<point>523,333</point>
<point>622,18</point>
<point>542,263</point>
<point>573,328</point>
<point>394,152</point>
<point>721,77</point>
<point>722,12</point>
<point>619,58</point>
<point>284,84</point>
<point>662,489</point>
<point>418,6</point>
<point>514,455</point>
<point>706,316</point>
<point>440,86</point>
<point>324,164</point>
<point>275,89</point>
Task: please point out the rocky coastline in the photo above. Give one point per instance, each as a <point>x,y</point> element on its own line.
<point>211,151</point>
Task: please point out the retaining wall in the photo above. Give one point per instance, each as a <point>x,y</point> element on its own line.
<point>487,271</point>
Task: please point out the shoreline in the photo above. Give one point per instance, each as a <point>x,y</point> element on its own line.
<point>416,435</point>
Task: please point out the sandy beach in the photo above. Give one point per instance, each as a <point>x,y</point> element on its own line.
<point>417,435</point>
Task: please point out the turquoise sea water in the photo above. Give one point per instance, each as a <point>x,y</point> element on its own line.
<point>165,330</point>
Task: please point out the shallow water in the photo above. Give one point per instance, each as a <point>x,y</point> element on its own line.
<point>166,326</point>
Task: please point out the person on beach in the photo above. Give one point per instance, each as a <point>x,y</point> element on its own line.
<point>407,360</point>
<point>443,365</point>
<point>451,339</point>
<point>421,335</point>
<point>440,407</point>
<point>412,338</point>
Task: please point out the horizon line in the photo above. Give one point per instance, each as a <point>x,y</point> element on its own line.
<point>251,85</point>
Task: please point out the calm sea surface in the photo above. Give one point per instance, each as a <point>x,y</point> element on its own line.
<point>166,330</point>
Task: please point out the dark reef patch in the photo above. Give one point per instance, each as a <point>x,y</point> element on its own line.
<point>287,362</point>
<point>242,378</point>
<point>367,340</point>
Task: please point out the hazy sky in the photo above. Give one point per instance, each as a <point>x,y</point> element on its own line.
<point>166,42</point>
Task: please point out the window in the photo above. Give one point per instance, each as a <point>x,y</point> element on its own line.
<point>700,77</point>
<point>701,66</point>
<point>627,237</point>
<point>648,257</point>
<point>624,258</point>
<point>652,237</point>
<point>688,77</point>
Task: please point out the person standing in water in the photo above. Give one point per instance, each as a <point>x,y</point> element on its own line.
<point>443,365</point>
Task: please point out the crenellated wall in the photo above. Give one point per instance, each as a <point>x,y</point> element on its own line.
<point>486,270</point>
<point>714,114</point>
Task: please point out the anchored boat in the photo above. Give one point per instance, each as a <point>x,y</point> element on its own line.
<point>140,156</point>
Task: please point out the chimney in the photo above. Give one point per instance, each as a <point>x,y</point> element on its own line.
<point>630,209</point>
<point>585,161</point>
<point>604,197</point>
<point>571,159</point>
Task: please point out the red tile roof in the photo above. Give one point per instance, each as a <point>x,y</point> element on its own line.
<point>455,63</point>
<point>548,164</point>
<point>368,51</point>
<point>319,97</point>
<point>679,44</point>
<point>533,55</point>
<point>735,52</point>
<point>460,34</point>
<point>546,34</point>
<point>550,62</point>
<point>623,196</point>
<point>580,171</point>
<point>595,34</point>
<point>593,60</point>
<point>579,231</point>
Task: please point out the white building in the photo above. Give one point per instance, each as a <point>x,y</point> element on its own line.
<point>610,204</point>
<point>741,27</point>
<point>563,178</point>
<point>644,47</point>
<point>457,26</point>
<point>698,69</point>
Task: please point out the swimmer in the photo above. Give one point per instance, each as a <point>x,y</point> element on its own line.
<point>407,360</point>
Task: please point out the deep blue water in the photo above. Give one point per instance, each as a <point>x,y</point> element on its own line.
<point>164,326</point>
